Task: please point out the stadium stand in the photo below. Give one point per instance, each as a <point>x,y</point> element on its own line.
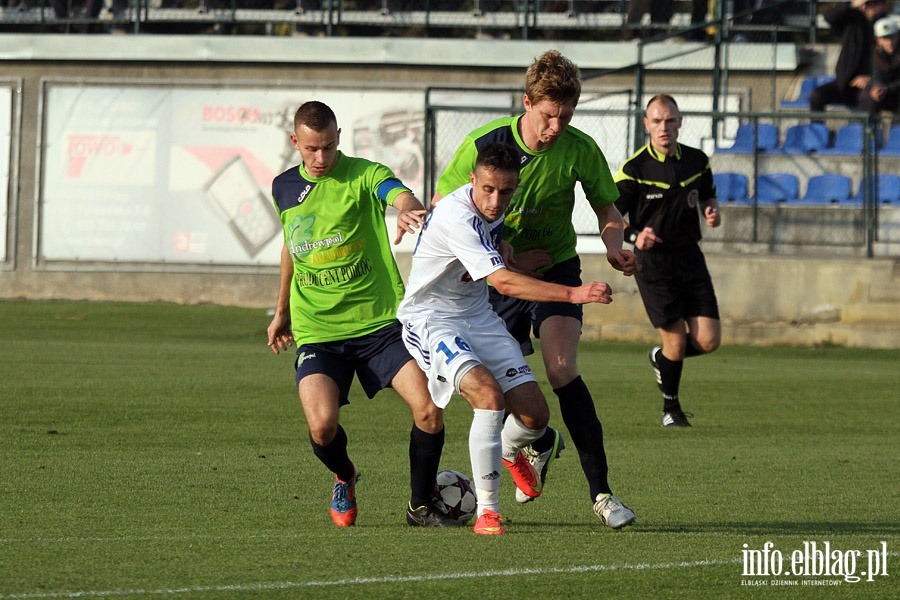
<point>766,139</point>
<point>892,143</point>
<point>828,188</point>
<point>804,138</point>
<point>806,87</point>
<point>731,187</point>
<point>848,140</point>
<point>887,191</point>
<point>772,188</point>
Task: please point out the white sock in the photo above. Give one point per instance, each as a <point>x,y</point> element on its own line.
<point>515,435</point>
<point>484,450</point>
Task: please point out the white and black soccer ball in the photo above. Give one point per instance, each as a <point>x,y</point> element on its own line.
<point>455,496</point>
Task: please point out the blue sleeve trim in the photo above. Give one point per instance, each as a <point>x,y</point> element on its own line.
<point>387,186</point>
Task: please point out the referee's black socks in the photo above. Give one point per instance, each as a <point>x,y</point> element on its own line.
<point>670,374</point>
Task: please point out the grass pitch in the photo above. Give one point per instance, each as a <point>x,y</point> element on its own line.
<point>160,451</point>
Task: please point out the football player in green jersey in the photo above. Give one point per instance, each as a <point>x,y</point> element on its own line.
<point>337,301</point>
<point>555,158</point>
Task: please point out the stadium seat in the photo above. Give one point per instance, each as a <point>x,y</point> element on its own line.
<point>806,87</point>
<point>773,188</point>
<point>827,188</point>
<point>892,144</point>
<point>847,141</point>
<point>731,187</point>
<point>888,190</point>
<point>804,139</point>
<point>766,139</point>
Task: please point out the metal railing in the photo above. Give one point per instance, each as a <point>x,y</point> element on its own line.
<point>515,19</point>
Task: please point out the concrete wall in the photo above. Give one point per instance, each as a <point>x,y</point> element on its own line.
<point>764,299</point>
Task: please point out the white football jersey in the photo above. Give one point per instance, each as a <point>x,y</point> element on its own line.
<point>455,252</point>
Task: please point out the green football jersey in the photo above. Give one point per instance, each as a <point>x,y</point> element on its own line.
<point>346,283</point>
<point>540,213</point>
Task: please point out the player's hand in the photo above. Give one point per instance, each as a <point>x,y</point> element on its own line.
<point>409,221</point>
<point>595,291</point>
<point>877,92</point>
<point>621,260</point>
<point>860,82</point>
<point>646,239</point>
<point>528,262</point>
<point>279,334</point>
<point>713,216</point>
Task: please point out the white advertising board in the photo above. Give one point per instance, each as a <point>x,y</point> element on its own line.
<point>6,141</point>
<point>183,175</point>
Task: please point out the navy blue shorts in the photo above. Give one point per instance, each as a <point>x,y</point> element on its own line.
<point>375,359</point>
<point>675,285</point>
<point>524,317</point>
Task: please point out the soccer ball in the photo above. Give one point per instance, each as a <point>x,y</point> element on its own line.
<point>454,495</point>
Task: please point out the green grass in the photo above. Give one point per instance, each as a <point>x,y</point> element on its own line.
<point>160,451</point>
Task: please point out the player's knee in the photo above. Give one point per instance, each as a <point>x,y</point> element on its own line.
<point>534,413</point>
<point>560,375</point>
<point>322,432</point>
<point>429,419</point>
<point>710,345</point>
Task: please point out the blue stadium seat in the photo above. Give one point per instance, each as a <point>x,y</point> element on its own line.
<point>892,143</point>
<point>888,190</point>
<point>847,141</point>
<point>773,188</point>
<point>804,139</point>
<point>827,188</point>
<point>731,187</point>
<point>806,87</point>
<point>766,139</point>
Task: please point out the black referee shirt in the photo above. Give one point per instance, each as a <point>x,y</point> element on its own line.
<point>664,192</point>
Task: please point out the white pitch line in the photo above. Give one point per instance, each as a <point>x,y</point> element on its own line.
<point>249,587</point>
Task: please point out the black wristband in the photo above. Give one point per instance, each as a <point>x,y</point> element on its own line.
<point>631,234</point>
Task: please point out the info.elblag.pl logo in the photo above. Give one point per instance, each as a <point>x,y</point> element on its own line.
<point>815,563</point>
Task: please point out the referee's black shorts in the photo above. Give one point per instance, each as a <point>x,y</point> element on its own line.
<point>675,284</point>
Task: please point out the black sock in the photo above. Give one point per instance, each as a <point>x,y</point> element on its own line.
<point>545,442</point>
<point>670,374</point>
<point>424,457</point>
<point>580,417</point>
<point>691,349</point>
<point>334,455</point>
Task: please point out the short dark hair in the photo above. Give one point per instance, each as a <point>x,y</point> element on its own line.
<point>498,155</point>
<point>315,115</point>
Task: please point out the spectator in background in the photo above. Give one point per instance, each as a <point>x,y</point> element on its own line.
<point>853,21</point>
<point>883,92</point>
<point>661,12</point>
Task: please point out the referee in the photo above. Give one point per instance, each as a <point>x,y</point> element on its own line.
<point>664,189</point>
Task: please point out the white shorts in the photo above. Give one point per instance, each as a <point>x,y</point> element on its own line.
<point>446,348</point>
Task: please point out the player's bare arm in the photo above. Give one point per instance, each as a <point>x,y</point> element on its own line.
<point>612,232</point>
<point>521,286</point>
<point>279,334</point>
<point>411,217</point>
<point>529,262</point>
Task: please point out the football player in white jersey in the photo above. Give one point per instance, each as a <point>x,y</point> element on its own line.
<point>462,345</point>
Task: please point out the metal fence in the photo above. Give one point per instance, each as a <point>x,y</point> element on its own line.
<point>827,184</point>
<point>510,19</point>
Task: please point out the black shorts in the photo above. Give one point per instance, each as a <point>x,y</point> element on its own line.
<point>522,317</point>
<point>375,358</point>
<point>675,284</point>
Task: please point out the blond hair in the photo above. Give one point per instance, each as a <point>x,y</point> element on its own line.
<point>553,77</point>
